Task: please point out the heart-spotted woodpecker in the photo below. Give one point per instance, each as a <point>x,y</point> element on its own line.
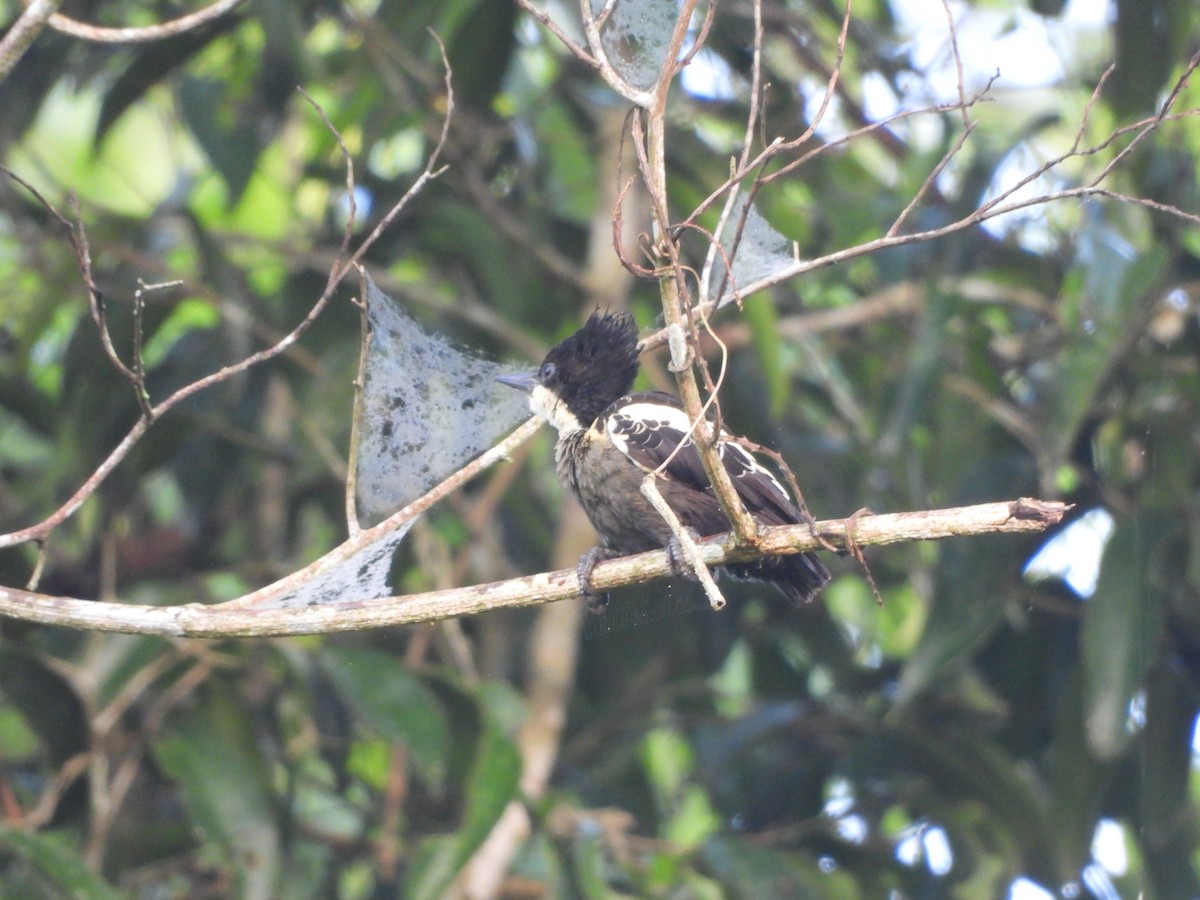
<point>609,439</point>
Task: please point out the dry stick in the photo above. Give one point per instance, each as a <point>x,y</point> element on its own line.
<point>677,308</point>
<point>968,127</point>
<point>1000,205</point>
<point>756,89</point>
<point>352,209</point>
<point>599,58</point>
<point>123,780</point>
<point>197,620</point>
<point>137,364</point>
<point>801,504</point>
<point>1144,127</point>
<point>39,566</point>
<point>47,803</point>
<point>652,159</point>
<point>83,255</point>
<point>687,544</point>
<point>779,145</point>
<point>353,527</point>
<point>77,238</point>
<point>103,35</point>
<point>544,17</point>
<point>745,168</point>
<point>23,32</point>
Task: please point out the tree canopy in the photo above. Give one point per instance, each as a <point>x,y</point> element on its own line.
<point>933,254</point>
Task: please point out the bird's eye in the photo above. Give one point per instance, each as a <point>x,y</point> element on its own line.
<point>546,371</point>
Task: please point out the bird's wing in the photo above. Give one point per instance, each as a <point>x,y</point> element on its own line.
<point>648,428</point>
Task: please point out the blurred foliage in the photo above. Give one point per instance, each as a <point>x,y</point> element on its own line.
<point>981,728</point>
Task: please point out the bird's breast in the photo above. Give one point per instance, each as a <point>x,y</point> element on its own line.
<point>608,486</point>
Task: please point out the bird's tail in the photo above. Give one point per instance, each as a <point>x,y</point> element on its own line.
<point>798,577</point>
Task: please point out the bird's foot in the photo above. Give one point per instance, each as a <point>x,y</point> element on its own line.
<point>597,602</point>
<point>677,557</point>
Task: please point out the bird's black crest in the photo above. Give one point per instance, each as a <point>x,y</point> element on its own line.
<point>594,366</point>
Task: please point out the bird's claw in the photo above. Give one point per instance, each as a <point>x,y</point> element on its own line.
<point>677,557</point>
<point>597,602</point>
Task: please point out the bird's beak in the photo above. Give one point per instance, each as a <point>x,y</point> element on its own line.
<point>523,381</point>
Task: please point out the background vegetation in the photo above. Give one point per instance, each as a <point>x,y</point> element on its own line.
<point>979,731</point>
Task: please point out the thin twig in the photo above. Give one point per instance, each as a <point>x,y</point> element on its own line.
<point>353,526</point>
<point>23,32</point>
<point>138,365</point>
<point>687,544</point>
<point>550,25</point>
<point>351,193</point>
<point>102,35</point>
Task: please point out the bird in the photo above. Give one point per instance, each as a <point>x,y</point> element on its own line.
<point>609,439</point>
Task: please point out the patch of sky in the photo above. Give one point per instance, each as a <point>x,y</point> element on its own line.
<point>928,844</point>
<point>1074,554</point>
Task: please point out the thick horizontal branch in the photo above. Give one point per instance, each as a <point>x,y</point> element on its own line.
<point>197,620</point>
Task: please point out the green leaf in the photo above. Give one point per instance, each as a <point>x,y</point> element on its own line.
<point>761,316</point>
<point>60,864</point>
<point>1076,780</point>
<point>755,872</point>
<point>47,701</point>
<point>694,821</point>
<point>967,606</point>
<point>214,758</point>
<point>491,785</point>
<point>1121,629</point>
<point>1098,311</point>
<point>667,759</point>
<point>231,146</point>
<point>149,65</point>
<point>1163,802</point>
<point>394,703</point>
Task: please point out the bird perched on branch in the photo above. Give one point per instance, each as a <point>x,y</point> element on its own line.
<point>609,440</point>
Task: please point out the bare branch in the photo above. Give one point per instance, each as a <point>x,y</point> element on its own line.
<point>77,238</point>
<point>544,17</point>
<point>23,32</point>
<point>222,621</point>
<point>1002,203</point>
<point>353,526</point>
<point>102,35</point>
<point>968,127</point>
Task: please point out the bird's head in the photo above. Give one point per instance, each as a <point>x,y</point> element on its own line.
<point>580,377</point>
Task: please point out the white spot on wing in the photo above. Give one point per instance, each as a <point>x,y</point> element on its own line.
<point>658,412</point>
<point>662,415</point>
<point>752,466</point>
<point>644,416</point>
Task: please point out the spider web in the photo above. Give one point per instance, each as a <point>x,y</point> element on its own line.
<point>428,408</point>
<point>760,251</point>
